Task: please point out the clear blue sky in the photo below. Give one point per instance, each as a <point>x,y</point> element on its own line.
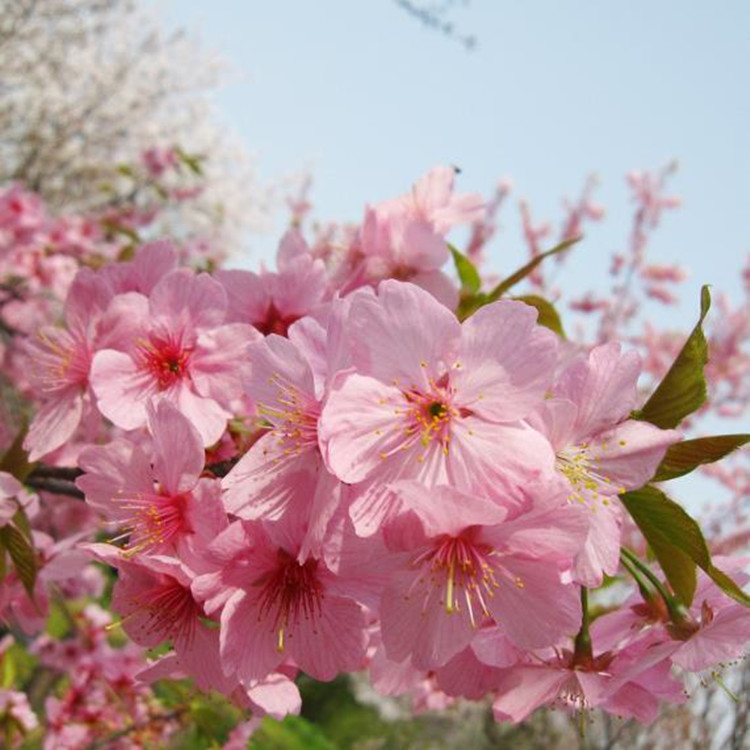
<point>369,99</point>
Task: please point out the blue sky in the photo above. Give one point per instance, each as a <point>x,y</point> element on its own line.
<point>369,99</point>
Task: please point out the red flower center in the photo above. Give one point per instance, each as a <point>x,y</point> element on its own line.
<point>289,591</point>
<point>166,358</point>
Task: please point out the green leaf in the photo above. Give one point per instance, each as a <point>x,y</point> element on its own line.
<point>548,316</point>
<point>467,272</point>
<point>215,717</point>
<point>192,162</point>
<point>677,541</point>
<point>15,461</point>
<point>682,458</point>
<point>23,555</point>
<point>524,271</point>
<point>728,586</point>
<point>683,389</point>
<point>679,568</point>
<point>293,733</point>
<point>115,228</point>
<point>21,521</point>
<point>125,170</point>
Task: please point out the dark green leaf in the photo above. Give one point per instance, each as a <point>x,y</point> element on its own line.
<point>192,162</point>
<point>115,228</point>
<point>680,570</point>
<point>524,271</point>
<point>15,461</point>
<point>21,522</point>
<point>728,586</point>
<point>548,316</point>
<point>469,304</point>
<point>683,389</point>
<point>467,273</point>
<point>677,542</point>
<point>22,554</point>
<point>682,458</point>
<point>126,170</point>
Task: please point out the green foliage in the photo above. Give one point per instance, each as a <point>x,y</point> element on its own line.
<point>684,457</point>
<point>524,271</point>
<point>677,542</point>
<point>16,666</point>
<point>467,272</point>
<point>683,389</point>
<point>293,733</point>
<point>472,299</point>
<point>191,161</point>
<point>208,719</point>
<point>15,460</point>
<point>22,553</point>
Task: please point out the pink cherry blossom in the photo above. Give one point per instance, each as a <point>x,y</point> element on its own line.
<point>184,354</point>
<point>628,683</point>
<point>463,563</point>
<point>157,497</point>
<point>283,472</point>
<point>271,302</point>
<point>600,452</point>
<point>435,400</point>
<point>297,610</point>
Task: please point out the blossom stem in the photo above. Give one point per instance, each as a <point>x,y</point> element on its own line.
<point>678,613</point>
<point>643,585</point>
<point>583,650</point>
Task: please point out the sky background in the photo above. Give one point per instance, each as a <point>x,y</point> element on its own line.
<point>367,98</point>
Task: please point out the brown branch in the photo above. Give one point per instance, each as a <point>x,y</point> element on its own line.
<point>57,486</point>
<point>43,471</point>
<point>61,479</point>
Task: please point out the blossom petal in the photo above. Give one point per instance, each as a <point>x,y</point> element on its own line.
<point>506,361</point>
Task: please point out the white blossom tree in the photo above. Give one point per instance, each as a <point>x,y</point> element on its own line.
<point>86,86</point>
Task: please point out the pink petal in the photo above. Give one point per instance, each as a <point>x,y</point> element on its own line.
<point>54,423</point>
<point>496,459</point>
<point>440,286</point>
<point>603,386</point>
<point>278,365</point>
<point>247,293</point>
<point>121,390</point>
<point>178,448</point>
<point>250,652</point>
<point>722,640</point>
<point>206,415</point>
<point>404,334</point>
<point>532,606</point>
<point>275,696</point>
<point>220,362</point>
<point>116,470</point>
<point>417,624</point>
<point>600,554</point>
<point>182,295</point>
<point>522,690</point>
<point>445,510</point>
<point>331,643</point>
<point>507,361</point>
<point>629,454</point>
<point>358,426</point>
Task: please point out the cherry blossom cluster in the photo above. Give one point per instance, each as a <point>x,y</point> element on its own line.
<point>322,469</point>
